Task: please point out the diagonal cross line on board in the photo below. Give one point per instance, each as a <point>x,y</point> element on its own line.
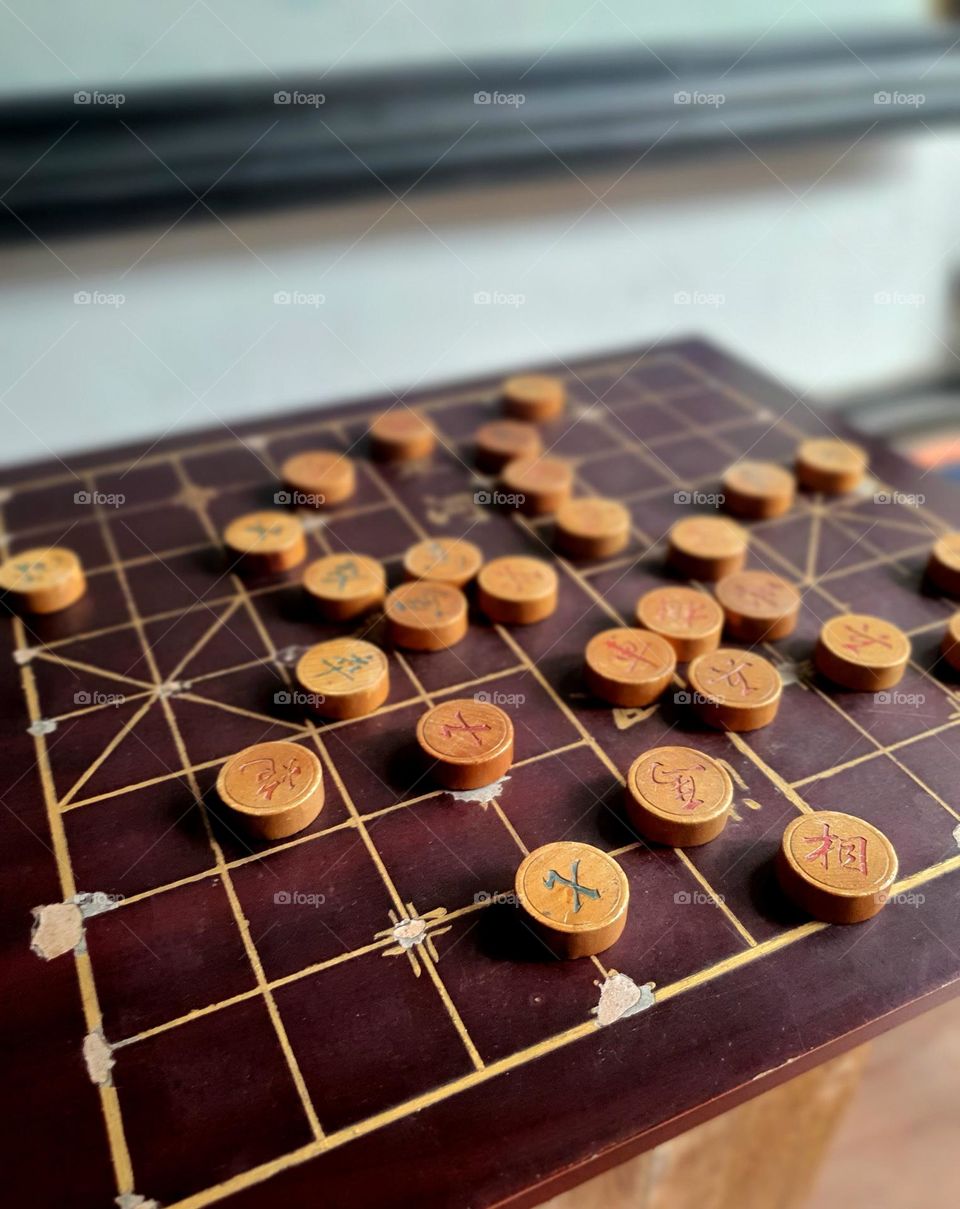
<point>107,751</point>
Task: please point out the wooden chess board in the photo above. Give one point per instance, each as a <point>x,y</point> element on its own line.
<point>351,1016</point>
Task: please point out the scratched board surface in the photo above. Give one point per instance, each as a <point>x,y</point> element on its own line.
<point>353,1015</point>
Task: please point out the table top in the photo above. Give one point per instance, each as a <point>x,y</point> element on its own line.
<point>351,1013</point>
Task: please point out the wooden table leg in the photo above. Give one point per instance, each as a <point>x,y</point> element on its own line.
<point>765,1154</point>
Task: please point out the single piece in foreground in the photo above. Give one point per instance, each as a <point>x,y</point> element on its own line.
<point>758,489</point>
<point>861,652</point>
<point>943,565</point>
<point>44,579</point>
<point>426,616</point>
<point>575,896</point>
<point>678,796</point>
<point>533,397</point>
<point>758,605</point>
<point>344,678</point>
<point>591,527</point>
<point>342,586</point>
<point>629,667</point>
<point>401,435</point>
<point>830,465</point>
<point>734,690</point>
<point>265,543</point>
<point>276,788</point>
<point>539,485</point>
<point>501,441</point>
<point>690,620</point>
<point>838,868</point>
<point>470,741</point>
<point>319,478</point>
<point>707,547</point>
<point>447,560</point>
<point>516,590</point>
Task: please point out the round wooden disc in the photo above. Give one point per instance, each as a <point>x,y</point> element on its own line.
<point>319,478</point>
<point>344,678</point>
<point>447,560</point>
<point>734,690</point>
<point>426,616</point>
<point>277,788</point>
<point>629,667</point>
<point>861,652</point>
<point>501,441</point>
<point>690,620</point>
<point>829,465</point>
<point>44,579</point>
<point>591,527</point>
<point>951,642</point>
<point>758,605</point>
<point>345,585</point>
<point>516,590</point>
<point>707,547</point>
<point>838,868</point>
<point>678,796</point>
<point>263,543</point>
<point>575,895</point>
<point>943,566</point>
<point>470,741</point>
<point>758,489</point>
<point>534,397</point>
<point>540,484</point>
<point>401,435</point>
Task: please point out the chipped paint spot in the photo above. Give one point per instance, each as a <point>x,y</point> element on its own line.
<point>621,997</point>
<point>133,1200</point>
<point>24,656</point>
<point>95,902</point>
<point>289,655</point>
<point>99,1058</point>
<point>795,673</point>
<point>173,688</point>
<point>956,835</point>
<point>410,932</point>
<point>482,796</point>
<point>42,726</point>
<point>869,487</point>
<point>312,522</point>
<point>57,929</point>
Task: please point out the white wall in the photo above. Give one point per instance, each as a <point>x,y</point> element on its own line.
<point>783,261</point>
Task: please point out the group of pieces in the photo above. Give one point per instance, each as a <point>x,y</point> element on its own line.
<point>837,867</point>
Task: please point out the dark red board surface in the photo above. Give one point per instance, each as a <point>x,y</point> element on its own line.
<point>271,1042</point>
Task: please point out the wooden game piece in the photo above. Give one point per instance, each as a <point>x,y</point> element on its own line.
<point>426,616</point>
<point>707,547</point>
<point>470,742</point>
<point>691,621</point>
<point>943,565</point>
<point>516,590</point>
<point>342,586</point>
<point>401,435</point>
<point>277,787</point>
<point>540,484</point>
<point>576,897</point>
<point>678,796</point>
<point>629,667</point>
<point>44,579</point>
<point>264,543</point>
<point>447,560</point>
<point>533,397</point>
<point>830,465</point>
<point>319,478</point>
<point>758,605</point>
<point>501,441</point>
<point>344,678</point>
<point>734,690</point>
<point>758,489</point>
<point>861,652</point>
<point>838,868</point>
<point>591,527</point>
<point>951,642</point>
